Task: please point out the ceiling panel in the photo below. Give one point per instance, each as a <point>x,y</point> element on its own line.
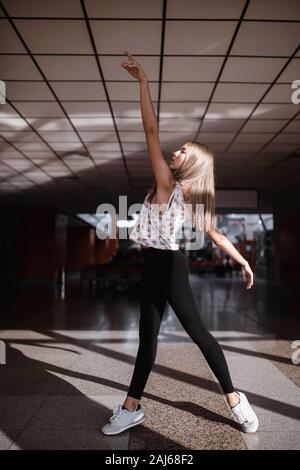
<point>68,67</point>
<point>204,9</point>
<point>134,147</point>
<point>91,123</point>
<point>110,162</point>
<point>214,77</point>
<point>191,68</point>
<point>251,69</point>
<point>67,146</point>
<point>241,147</point>
<point>6,110</point>
<point>63,136</point>
<point>9,41</point>
<point>217,147</point>
<point>36,8</point>
<point>55,36</point>
<point>278,147</point>
<point>28,91</point>
<point>13,124</point>
<point>260,9</point>
<point>129,124</point>
<point>185,124</point>
<point>254,137</point>
<point>205,37</point>
<point>293,126</point>
<point>9,154</point>
<point>40,156</point>
<point>267,39</point>
<point>100,137</point>
<point>108,42</point>
<point>264,125</point>
<point>183,92</point>
<point>218,137</point>
<point>229,111</point>
<point>121,9</point>
<point>86,109</point>
<point>37,146</point>
<point>128,109</point>
<point>109,146</point>
<point>275,111</point>
<point>39,109</point>
<point>291,72</point>
<point>45,124</point>
<point>119,91</point>
<point>222,125</point>
<point>279,94</point>
<point>20,136</point>
<point>127,136</point>
<point>181,136</point>
<point>78,91</point>
<point>18,67</point>
<point>239,92</point>
<point>19,164</point>
<point>290,138</point>
<point>171,110</point>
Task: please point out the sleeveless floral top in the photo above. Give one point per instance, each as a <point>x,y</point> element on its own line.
<point>157,229</point>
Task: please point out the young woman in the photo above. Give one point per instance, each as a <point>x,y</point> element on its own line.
<point>187,178</point>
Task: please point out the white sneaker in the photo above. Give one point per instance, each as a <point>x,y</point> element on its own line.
<point>243,414</point>
<point>123,419</point>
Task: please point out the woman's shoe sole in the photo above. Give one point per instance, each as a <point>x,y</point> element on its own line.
<point>124,429</point>
<point>253,428</point>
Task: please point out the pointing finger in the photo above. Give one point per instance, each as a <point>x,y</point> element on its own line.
<point>129,55</point>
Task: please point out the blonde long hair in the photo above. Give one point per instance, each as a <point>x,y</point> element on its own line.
<point>198,171</point>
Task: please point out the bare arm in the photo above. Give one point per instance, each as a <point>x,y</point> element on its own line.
<point>225,245</point>
<point>147,109</point>
<point>160,168</point>
<point>162,172</point>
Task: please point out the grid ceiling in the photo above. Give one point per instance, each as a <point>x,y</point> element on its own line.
<point>71,131</point>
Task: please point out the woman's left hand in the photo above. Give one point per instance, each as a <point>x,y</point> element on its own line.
<point>247,275</point>
<point>133,67</point>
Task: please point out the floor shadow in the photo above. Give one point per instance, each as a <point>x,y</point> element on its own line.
<point>34,417</point>
<point>205,384</point>
<point>242,351</point>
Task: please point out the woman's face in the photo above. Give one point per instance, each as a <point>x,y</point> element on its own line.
<point>178,157</point>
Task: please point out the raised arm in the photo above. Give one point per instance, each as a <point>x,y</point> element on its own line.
<point>225,245</point>
<point>162,173</point>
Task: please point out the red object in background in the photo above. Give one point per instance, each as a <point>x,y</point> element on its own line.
<point>201,264</point>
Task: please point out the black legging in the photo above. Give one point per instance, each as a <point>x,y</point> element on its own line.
<point>165,277</point>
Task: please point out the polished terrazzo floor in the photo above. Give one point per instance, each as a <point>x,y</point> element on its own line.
<point>70,359</point>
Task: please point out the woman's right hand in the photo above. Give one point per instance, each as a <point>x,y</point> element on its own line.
<point>133,67</point>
